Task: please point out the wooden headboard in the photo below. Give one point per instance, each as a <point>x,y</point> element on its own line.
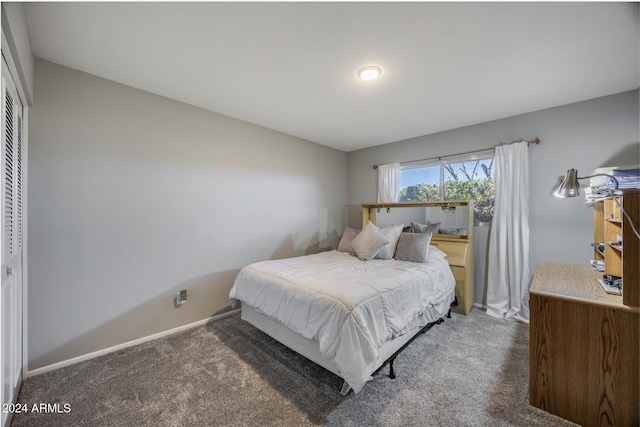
<point>459,248</point>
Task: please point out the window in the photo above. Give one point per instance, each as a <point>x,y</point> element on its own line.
<point>460,177</point>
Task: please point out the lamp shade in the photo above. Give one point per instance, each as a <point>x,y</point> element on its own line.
<point>569,186</point>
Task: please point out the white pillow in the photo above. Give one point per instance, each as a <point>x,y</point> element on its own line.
<point>368,243</point>
<point>436,253</point>
<point>429,227</point>
<point>392,234</point>
<point>346,239</point>
<point>413,247</point>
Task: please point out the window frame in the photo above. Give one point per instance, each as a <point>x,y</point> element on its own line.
<point>440,162</point>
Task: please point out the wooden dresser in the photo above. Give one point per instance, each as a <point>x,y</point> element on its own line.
<point>584,348</point>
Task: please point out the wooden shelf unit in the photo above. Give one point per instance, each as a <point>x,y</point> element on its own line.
<point>598,228</point>
<point>609,224</point>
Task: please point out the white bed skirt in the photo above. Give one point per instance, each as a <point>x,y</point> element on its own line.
<point>310,348</point>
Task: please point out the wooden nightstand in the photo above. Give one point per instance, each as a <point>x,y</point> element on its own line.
<point>584,347</point>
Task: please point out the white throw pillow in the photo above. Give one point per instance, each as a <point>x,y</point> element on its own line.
<point>368,243</point>
<point>345,241</point>
<point>391,234</point>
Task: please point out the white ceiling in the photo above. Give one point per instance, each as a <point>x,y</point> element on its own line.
<point>292,66</point>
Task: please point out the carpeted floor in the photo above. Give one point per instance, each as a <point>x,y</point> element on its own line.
<point>468,371</point>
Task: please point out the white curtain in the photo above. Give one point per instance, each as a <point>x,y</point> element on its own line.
<point>508,269</point>
<point>388,182</point>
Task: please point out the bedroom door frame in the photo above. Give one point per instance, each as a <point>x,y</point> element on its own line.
<point>13,265</point>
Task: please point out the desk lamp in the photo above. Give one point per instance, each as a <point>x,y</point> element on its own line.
<point>569,187</point>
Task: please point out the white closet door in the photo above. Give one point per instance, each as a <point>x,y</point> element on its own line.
<point>11,234</point>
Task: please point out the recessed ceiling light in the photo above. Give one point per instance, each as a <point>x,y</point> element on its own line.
<point>370,72</point>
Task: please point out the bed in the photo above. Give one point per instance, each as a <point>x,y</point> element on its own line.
<point>350,314</point>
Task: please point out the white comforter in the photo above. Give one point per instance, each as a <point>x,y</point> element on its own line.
<point>350,307</point>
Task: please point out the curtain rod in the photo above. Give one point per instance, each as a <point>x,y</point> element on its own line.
<point>535,140</point>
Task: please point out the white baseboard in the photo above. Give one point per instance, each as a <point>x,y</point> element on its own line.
<point>88,356</point>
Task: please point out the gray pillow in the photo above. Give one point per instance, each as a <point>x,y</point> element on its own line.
<point>368,243</point>
<point>413,247</point>
<point>457,231</point>
<point>429,227</point>
<point>346,239</point>
<point>392,234</point>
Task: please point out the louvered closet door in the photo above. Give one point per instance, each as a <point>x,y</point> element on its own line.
<point>11,253</point>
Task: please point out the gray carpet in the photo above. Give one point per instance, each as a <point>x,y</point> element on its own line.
<point>468,371</point>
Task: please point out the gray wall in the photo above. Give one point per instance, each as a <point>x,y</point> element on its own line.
<point>133,196</point>
<point>586,135</point>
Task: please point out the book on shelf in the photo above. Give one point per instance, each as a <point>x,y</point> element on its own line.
<point>600,186</point>
<point>609,288</point>
<point>593,194</point>
<point>597,265</point>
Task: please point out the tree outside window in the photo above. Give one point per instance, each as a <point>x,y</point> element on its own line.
<point>461,178</point>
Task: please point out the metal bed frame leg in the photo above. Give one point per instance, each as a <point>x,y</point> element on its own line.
<point>453,304</point>
<point>392,374</point>
<point>392,359</point>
